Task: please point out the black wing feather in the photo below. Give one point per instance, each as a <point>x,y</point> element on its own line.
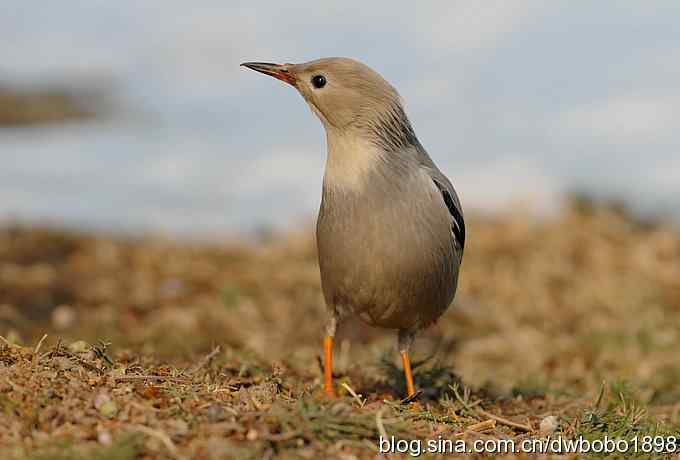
<point>458,223</point>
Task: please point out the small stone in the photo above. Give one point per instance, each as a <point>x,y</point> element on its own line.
<point>251,435</point>
<point>549,424</point>
<point>109,409</point>
<point>104,437</point>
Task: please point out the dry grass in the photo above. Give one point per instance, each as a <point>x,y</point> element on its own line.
<point>547,311</point>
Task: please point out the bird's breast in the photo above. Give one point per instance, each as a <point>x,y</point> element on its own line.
<point>385,251</point>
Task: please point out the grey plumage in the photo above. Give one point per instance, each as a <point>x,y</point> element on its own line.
<point>387,251</point>
<point>390,230</point>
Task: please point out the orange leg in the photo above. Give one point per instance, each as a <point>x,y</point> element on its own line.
<point>407,373</point>
<point>328,366</point>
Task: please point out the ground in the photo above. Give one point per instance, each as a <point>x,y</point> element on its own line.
<point>122,348</point>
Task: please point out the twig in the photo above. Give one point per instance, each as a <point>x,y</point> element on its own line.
<point>100,352</point>
<point>319,362</point>
<point>600,396</point>
<point>228,389</point>
<point>121,378</point>
<point>478,427</point>
<point>354,394</point>
<point>466,405</point>
<point>34,360</point>
<point>280,437</point>
<point>379,423</point>
<point>206,360</point>
<point>454,388</point>
<point>504,421</point>
<point>482,426</point>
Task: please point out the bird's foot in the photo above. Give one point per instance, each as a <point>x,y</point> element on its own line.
<point>329,393</point>
<point>411,400</point>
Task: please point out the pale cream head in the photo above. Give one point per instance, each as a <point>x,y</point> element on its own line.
<point>344,93</point>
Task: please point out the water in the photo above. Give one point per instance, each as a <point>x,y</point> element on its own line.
<point>514,102</point>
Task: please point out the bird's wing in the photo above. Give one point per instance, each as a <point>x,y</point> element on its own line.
<point>448,193</point>
<point>452,204</point>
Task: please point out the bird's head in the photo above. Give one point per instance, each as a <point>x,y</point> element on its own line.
<point>343,93</point>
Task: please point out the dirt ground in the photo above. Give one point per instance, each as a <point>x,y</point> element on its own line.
<point>148,348</point>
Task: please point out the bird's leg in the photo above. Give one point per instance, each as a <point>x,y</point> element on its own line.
<point>328,366</point>
<point>406,338</point>
<point>331,326</point>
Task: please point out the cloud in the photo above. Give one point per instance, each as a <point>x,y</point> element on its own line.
<point>666,177</point>
<point>508,181</point>
<point>471,26</point>
<point>282,168</point>
<point>624,119</point>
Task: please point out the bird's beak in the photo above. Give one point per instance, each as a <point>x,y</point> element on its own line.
<point>280,71</point>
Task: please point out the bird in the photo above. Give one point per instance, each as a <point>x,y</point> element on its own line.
<point>390,231</point>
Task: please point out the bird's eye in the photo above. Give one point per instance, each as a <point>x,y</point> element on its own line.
<point>319,81</point>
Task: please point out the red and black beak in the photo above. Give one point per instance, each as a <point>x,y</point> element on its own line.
<point>280,71</point>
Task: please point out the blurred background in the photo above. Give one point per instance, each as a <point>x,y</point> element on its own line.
<point>136,116</point>
<point>157,201</point>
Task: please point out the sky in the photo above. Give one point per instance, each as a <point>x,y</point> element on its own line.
<point>516,101</point>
